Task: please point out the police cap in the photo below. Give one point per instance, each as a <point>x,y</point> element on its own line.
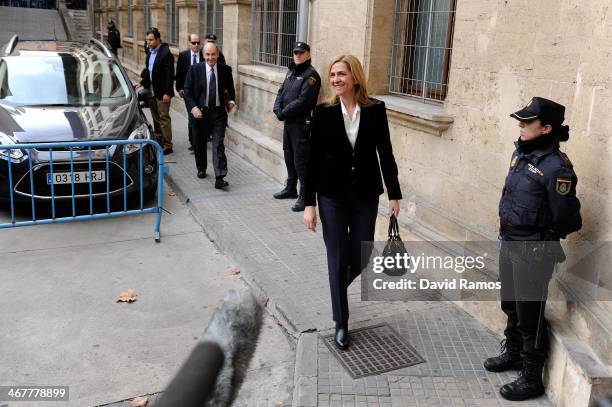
<point>210,37</point>
<point>301,46</point>
<point>547,111</point>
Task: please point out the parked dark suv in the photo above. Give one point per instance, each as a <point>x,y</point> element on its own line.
<point>52,91</point>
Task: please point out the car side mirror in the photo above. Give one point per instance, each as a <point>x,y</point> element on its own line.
<point>143,95</point>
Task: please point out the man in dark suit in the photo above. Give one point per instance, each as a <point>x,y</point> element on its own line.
<point>186,58</point>
<point>209,94</point>
<point>158,76</point>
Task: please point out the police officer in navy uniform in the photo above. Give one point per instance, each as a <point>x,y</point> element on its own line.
<point>537,208</point>
<point>210,37</point>
<point>294,104</point>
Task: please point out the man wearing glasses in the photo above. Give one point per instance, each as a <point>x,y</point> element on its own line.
<point>294,104</point>
<point>186,58</point>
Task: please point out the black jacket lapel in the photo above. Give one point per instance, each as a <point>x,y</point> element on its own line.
<point>158,57</point>
<point>340,125</point>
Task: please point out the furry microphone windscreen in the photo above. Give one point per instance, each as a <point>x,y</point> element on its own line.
<point>235,327</point>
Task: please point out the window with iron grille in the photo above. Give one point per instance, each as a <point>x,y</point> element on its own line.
<point>147,15</point>
<point>130,18</point>
<point>171,22</point>
<point>210,19</point>
<point>275,28</point>
<point>422,46</point>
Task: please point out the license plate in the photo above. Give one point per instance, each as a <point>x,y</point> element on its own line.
<point>80,177</point>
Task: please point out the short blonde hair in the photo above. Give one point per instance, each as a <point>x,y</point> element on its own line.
<point>355,68</point>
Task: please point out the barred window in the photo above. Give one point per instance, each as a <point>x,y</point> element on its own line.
<point>275,28</point>
<point>171,22</point>
<point>147,15</point>
<point>422,46</point>
<point>130,18</point>
<point>210,18</point>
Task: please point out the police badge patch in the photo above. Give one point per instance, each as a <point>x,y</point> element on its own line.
<point>312,80</point>
<point>563,186</point>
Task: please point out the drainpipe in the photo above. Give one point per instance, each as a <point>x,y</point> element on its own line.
<point>302,34</point>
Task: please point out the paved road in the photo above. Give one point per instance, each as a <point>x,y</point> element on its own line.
<point>61,324</point>
<point>30,23</point>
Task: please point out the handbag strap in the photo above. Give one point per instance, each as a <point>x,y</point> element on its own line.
<point>393,228</point>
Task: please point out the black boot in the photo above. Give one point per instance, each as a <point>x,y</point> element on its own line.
<point>509,359</point>
<point>289,191</point>
<point>299,206</point>
<point>527,386</point>
<point>341,338</point>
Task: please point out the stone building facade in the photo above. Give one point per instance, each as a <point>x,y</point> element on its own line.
<point>450,72</point>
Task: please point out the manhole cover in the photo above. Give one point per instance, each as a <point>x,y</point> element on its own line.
<point>374,350</point>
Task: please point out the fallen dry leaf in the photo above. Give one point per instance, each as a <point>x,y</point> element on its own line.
<point>232,271</point>
<point>171,193</point>
<point>127,296</point>
<point>139,402</point>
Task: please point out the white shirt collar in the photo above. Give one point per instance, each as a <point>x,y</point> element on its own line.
<point>208,68</point>
<point>351,124</point>
<point>356,112</point>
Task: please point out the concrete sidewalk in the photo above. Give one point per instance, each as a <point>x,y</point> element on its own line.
<point>280,258</point>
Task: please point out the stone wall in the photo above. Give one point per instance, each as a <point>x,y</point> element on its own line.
<point>504,53</point>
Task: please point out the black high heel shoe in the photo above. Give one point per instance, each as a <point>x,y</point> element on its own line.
<point>341,338</point>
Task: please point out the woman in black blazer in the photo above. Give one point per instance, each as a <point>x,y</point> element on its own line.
<point>349,135</point>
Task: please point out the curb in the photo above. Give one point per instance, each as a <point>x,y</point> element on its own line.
<point>271,305</point>
<point>305,378</point>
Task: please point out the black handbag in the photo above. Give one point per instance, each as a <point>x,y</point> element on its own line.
<point>394,247</point>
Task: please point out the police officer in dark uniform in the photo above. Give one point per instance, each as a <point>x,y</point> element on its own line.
<point>114,37</point>
<point>210,37</point>
<point>537,208</point>
<point>294,104</point>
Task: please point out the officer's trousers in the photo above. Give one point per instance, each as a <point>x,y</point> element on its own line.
<point>524,289</point>
<point>295,149</point>
<point>346,223</point>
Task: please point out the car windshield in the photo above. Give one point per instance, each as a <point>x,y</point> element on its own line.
<point>61,79</point>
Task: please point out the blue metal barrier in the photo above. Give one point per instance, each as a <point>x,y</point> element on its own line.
<point>79,172</point>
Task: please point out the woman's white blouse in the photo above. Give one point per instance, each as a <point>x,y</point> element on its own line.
<point>351,124</point>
